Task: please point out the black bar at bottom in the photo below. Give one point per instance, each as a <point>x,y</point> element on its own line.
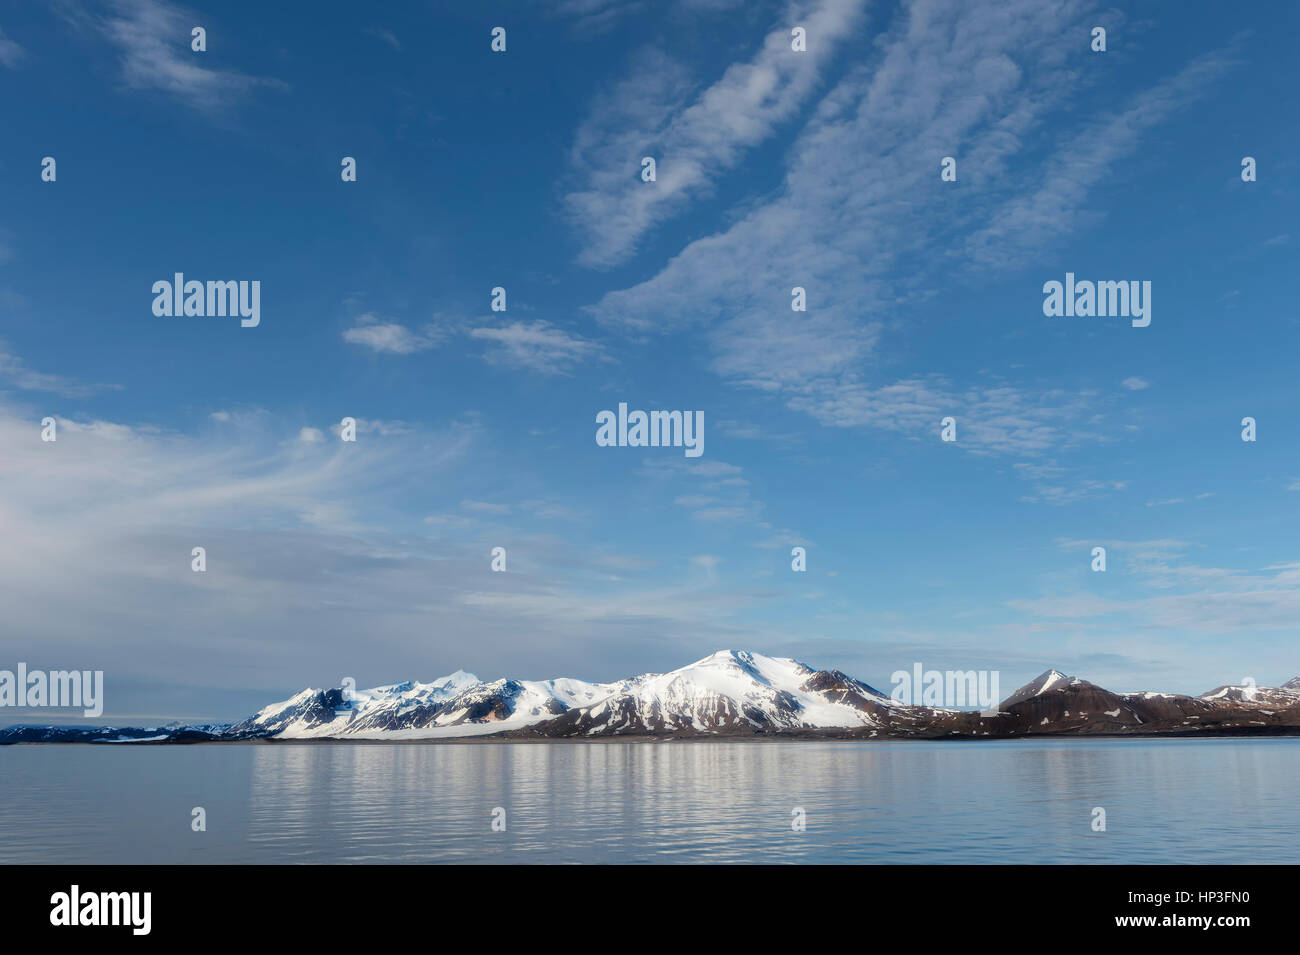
<point>348,905</point>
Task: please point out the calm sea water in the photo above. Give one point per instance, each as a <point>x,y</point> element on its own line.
<point>1210,801</point>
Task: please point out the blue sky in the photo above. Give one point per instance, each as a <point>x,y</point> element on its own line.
<point>521,169</point>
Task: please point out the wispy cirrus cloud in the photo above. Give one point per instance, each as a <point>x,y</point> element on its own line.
<point>991,419</point>
<point>1060,205</point>
<point>304,559</point>
<point>861,194</point>
<point>388,36</point>
<point>861,189</point>
<point>718,492</point>
<point>594,16</point>
<point>694,137</point>
<point>152,38</point>
<point>863,223</point>
<point>380,335</point>
<point>14,371</point>
<point>1189,597</point>
<point>11,54</point>
<point>535,346</point>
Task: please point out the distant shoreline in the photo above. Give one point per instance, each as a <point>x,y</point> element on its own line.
<point>793,737</point>
<point>734,695</point>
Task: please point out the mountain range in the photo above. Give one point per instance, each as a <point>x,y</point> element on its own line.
<point>731,693</point>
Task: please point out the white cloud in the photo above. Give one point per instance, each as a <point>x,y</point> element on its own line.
<point>1136,384</point>
<point>153,38</point>
<point>536,346</point>
<point>593,16</point>
<point>693,143</point>
<point>1211,600</point>
<point>995,419</point>
<point>315,566</point>
<point>718,493</point>
<point>862,185</point>
<point>16,372</point>
<point>11,54</point>
<point>1079,489</point>
<point>863,223</point>
<point>382,336</point>
<point>1060,204</point>
<point>709,564</point>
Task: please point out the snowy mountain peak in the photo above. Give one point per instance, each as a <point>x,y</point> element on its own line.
<point>460,680</point>
<point>1045,682</point>
<point>728,691</point>
<point>460,676</point>
<point>744,660</point>
<point>724,656</point>
<point>1049,680</point>
<point>737,659</point>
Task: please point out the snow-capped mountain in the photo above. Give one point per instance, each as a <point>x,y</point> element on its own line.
<point>1051,680</point>
<point>732,693</point>
<point>1054,703</point>
<point>457,705</point>
<point>1280,695</point>
<point>728,691</point>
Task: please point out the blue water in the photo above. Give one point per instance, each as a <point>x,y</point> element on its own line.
<point>1166,801</point>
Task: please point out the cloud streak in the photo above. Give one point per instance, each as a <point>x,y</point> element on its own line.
<point>15,372</point>
<point>153,42</point>
<point>863,223</point>
<point>384,336</point>
<point>11,54</point>
<point>694,139</point>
